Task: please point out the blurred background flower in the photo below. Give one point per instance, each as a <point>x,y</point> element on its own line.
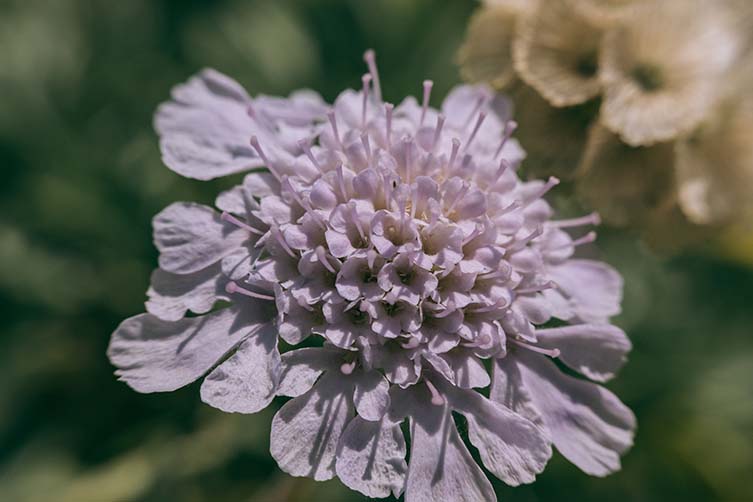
<point>82,177</point>
<point>646,105</point>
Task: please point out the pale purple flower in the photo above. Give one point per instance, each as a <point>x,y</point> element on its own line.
<point>400,243</point>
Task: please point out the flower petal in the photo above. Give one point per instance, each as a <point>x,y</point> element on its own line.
<point>597,351</point>
<point>171,295</point>
<point>511,447</point>
<point>371,395</point>
<point>153,355</point>
<point>485,55</point>
<point>441,467</point>
<point>246,382</point>
<point>306,430</point>
<point>593,286</point>
<point>371,458</point>
<point>204,131</point>
<point>555,51</point>
<point>191,237</point>
<point>588,424</point>
<point>302,367</point>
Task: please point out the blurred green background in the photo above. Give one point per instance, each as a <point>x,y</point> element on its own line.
<point>81,179</point>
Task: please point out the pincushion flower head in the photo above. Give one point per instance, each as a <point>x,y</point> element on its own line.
<point>648,74</point>
<point>379,265</point>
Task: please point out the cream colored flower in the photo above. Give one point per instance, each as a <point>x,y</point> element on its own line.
<point>555,50</point>
<point>605,12</point>
<point>662,68</point>
<point>715,165</point>
<point>627,185</point>
<point>485,56</point>
<point>554,137</point>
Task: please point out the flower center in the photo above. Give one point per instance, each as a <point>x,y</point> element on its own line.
<point>648,77</point>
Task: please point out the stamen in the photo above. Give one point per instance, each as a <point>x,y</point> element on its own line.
<point>503,166</point>
<point>479,121</point>
<point>476,108</point>
<point>304,145</point>
<point>437,131</point>
<point>460,195</point>
<point>494,275</point>
<point>225,216</point>
<point>474,233</point>
<point>388,108</point>
<point>250,111</point>
<point>428,84</point>
<point>534,348</point>
<point>498,305</point>
<point>320,254</point>
<point>550,183</point>
<point>586,239</point>
<point>370,59</point>
<point>589,219</point>
<point>357,220</point>
<point>536,289</point>
<point>232,287</point>
<point>454,153</point>
<point>257,146</point>
<point>341,181</point>
<point>275,231</point>
<point>510,127</point>
<point>366,146</point>
<point>436,397</point>
<point>333,122</point>
<point>408,160</point>
<point>365,80</point>
<point>525,240</point>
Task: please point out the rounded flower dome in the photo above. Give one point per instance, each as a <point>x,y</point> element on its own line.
<point>399,250</point>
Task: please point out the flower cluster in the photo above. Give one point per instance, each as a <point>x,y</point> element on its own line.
<point>651,98</point>
<point>397,247</point>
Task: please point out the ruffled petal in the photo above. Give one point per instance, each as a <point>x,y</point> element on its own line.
<point>371,458</point>
<point>594,287</point>
<point>204,131</point>
<point>597,351</point>
<point>153,355</point>
<point>441,467</point>
<point>191,237</point>
<point>588,424</point>
<point>555,51</point>
<point>171,295</point>
<point>511,447</point>
<point>307,430</point>
<point>485,55</point>
<point>246,382</point>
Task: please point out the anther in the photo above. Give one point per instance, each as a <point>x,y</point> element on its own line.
<point>348,368</point>
<point>370,57</point>
<point>436,398</point>
<point>428,84</point>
